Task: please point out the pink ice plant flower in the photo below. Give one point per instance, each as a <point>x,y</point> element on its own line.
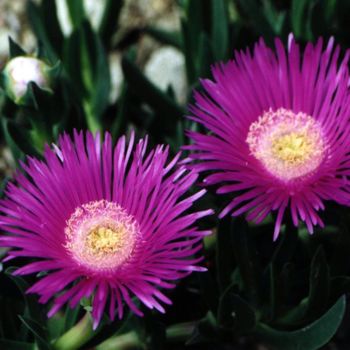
<point>277,131</point>
<point>111,223</point>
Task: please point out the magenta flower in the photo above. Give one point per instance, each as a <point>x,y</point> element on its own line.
<point>278,131</point>
<point>106,222</point>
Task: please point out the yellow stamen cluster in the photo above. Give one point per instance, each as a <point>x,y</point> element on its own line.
<point>289,145</point>
<point>101,235</point>
<point>294,148</point>
<point>106,240</point>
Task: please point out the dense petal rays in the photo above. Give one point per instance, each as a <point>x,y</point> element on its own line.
<point>278,131</point>
<point>103,221</point>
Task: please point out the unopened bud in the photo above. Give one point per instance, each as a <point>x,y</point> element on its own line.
<point>22,70</point>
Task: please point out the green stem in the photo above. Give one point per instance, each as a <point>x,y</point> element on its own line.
<point>174,334</point>
<point>76,336</point>
<point>91,119</point>
<point>41,134</point>
<point>82,332</point>
<point>120,122</point>
<point>180,332</point>
<point>124,341</point>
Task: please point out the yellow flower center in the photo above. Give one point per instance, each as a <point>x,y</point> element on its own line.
<point>104,240</point>
<point>294,148</point>
<point>289,145</point>
<point>101,236</point>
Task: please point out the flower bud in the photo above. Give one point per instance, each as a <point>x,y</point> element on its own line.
<point>22,70</point>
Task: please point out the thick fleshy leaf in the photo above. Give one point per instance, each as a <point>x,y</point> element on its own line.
<point>103,333</point>
<point>300,18</point>
<point>235,313</point>
<point>71,317</point>
<point>220,28</point>
<point>189,59</point>
<point>33,309</point>
<point>53,30</point>
<point>18,139</point>
<point>109,22</point>
<point>36,18</point>
<point>319,284</point>
<point>156,331</point>
<point>87,66</point>
<point>287,244</point>
<point>124,104</point>
<point>225,260</point>
<point>209,290</point>
<point>38,332</point>
<point>15,150</point>
<point>277,269</point>
<point>165,37</point>
<point>16,345</point>
<point>205,331</point>
<point>158,100</point>
<point>261,25</point>
<point>310,337</point>
<point>339,285</point>
<point>195,25</point>
<point>206,57</point>
<point>76,12</point>
<point>275,18</point>
<point>15,49</point>
<point>247,259</point>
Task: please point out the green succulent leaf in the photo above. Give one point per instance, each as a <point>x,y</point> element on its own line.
<point>195,30</point>
<point>15,150</point>
<point>287,244</point>
<point>76,12</point>
<point>165,37</point>
<point>234,312</point>
<point>71,317</point>
<point>209,290</point>
<point>310,337</point>
<point>37,18</point>
<point>301,13</point>
<point>205,330</point>
<point>260,25</point>
<point>109,22</point>
<point>18,138</point>
<point>16,345</point>
<point>157,99</point>
<point>15,49</point>
<point>53,30</point>
<point>247,259</point>
<point>220,29</point>
<point>38,331</point>
<point>190,60</point>
<point>275,18</point>
<point>109,329</point>
<point>225,260</point>
<point>206,56</point>
<point>32,306</point>
<point>88,69</point>
<point>319,284</point>
<point>339,286</point>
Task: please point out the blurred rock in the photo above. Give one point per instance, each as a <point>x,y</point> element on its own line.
<point>93,10</point>
<point>7,163</point>
<point>116,76</point>
<point>14,23</point>
<point>161,13</point>
<point>63,17</point>
<point>165,67</point>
